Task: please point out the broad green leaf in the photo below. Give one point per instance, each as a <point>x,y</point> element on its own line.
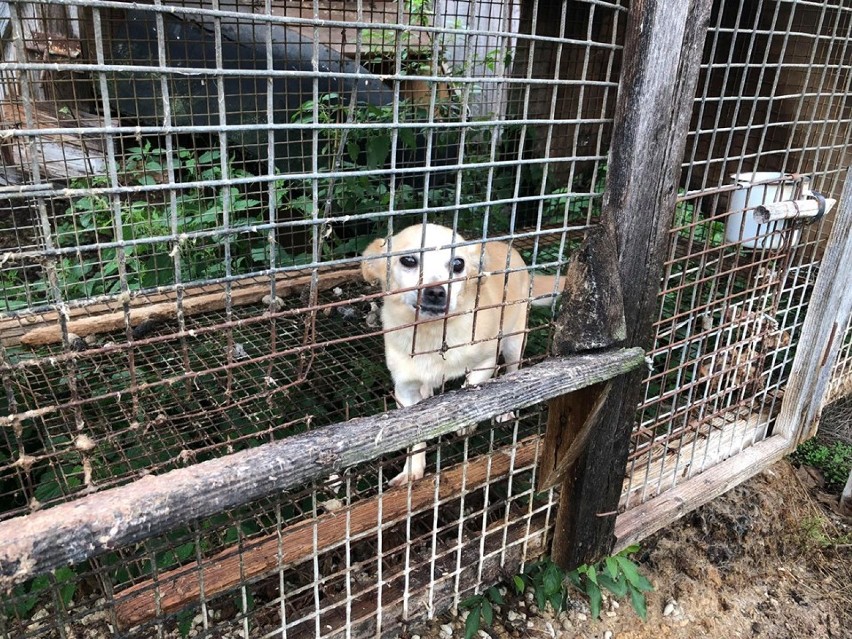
<point>377,151</point>
<point>487,612</point>
<point>471,626</point>
<point>594,599</point>
<point>612,567</point>
<point>618,586</point>
<point>592,574</point>
<point>495,596</point>
<point>638,600</point>
<point>630,570</point>
<point>519,583</point>
<point>644,585</point>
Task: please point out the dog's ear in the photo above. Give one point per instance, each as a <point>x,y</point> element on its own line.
<point>374,268</point>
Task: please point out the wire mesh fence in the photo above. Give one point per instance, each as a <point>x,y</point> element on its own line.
<point>769,124</point>
<point>188,190</point>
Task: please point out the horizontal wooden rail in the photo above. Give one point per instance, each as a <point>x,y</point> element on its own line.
<point>107,317</point>
<point>639,522</point>
<point>84,528</point>
<point>297,543</point>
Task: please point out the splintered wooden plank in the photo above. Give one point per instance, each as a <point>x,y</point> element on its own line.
<point>662,56</point>
<point>822,332</point>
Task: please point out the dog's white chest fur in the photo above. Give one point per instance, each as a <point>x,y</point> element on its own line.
<point>435,352</point>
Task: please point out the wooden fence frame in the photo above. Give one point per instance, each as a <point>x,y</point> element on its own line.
<point>590,422</point>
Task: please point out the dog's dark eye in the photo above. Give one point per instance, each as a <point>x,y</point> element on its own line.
<point>408,261</point>
<point>458,265</point>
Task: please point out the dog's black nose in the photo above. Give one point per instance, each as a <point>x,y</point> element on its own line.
<point>435,296</point>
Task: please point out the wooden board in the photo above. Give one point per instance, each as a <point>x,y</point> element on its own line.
<point>662,57</point>
<point>39,329</point>
<point>296,544</point>
<point>637,523</point>
<point>823,330</point>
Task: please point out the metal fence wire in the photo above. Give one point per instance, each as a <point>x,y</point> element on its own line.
<point>186,193</point>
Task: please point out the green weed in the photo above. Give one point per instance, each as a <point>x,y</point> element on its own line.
<point>833,460</point>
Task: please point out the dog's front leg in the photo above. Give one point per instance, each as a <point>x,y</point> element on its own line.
<point>408,394</point>
<point>475,377</point>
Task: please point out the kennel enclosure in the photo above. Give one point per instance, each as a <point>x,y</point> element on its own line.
<point>188,350</point>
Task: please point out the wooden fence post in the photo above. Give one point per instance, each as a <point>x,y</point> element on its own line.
<point>662,55</point>
<point>822,331</point>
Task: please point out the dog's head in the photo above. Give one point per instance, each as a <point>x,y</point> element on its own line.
<point>423,258</point>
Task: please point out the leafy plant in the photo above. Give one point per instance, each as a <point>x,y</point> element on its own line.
<point>480,608</point>
<point>26,596</point>
<point>833,460</point>
<point>547,579</point>
<point>688,224</point>
<point>618,574</point>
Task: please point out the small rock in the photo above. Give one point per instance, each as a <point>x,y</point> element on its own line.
<point>484,634</point>
<point>533,609</point>
<point>581,617</point>
<point>614,605</point>
<point>447,629</point>
<point>332,505</point>
<point>338,292</point>
<point>530,624</point>
<point>610,614</point>
<point>608,634</point>
<point>550,629</point>
<point>567,625</point>
<point>41,613</point>
<point>415,636</point>
<point>274,303</point>
<point>670,609</point>
<point>513,616</point>
<point>530,597</point>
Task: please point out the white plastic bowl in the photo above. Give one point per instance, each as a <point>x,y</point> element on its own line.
<point>747,232</point>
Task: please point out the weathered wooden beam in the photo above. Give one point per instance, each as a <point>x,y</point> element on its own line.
<point>662,55</point>
<point>640,521</point>
<point>591,316</point>
<point>76,531</point>
<point>570,420</point>
<point>822,332</point>
<point>196,300</point>
<point>298,543</point>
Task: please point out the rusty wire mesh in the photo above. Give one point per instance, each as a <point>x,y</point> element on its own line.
<point>152,163</point>
<point>770,116</point>
<point>188,190</point>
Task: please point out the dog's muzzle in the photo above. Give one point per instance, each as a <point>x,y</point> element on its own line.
<point>433,301</point>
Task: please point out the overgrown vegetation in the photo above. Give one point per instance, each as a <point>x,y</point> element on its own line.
<point>550,586</point>
<point>834,460</point>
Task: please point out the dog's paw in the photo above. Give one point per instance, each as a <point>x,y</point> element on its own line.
<point>506,417</point>
<point>406,477</point>
<point>467,430</point>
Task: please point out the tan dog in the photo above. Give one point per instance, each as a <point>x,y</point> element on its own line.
<point>469,303</point>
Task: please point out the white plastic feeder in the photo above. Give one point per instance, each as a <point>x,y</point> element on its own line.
<point>747,232</point>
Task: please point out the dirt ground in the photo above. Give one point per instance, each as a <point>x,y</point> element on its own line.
<point>770,559</point>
